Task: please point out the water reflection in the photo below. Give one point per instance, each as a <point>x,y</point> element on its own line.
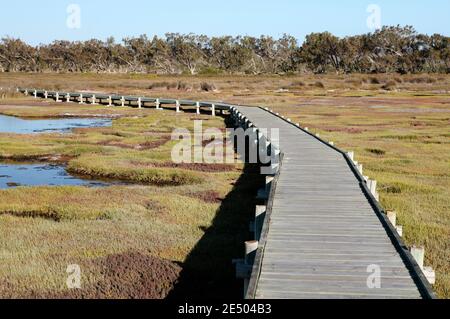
<point>10,124</point>
<point>14,175</point>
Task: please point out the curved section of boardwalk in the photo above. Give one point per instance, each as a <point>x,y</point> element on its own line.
<point>324,234</point>
<point>324,237</point>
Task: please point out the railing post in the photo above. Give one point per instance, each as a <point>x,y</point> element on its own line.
<point>158,104</point>
<point>372,185</point>
<point>351,155</point>
<point>198,108</point>
<point>177,103</point>
<point>250,253</point>
<point>122,100</point>
<point>110,100</point>
<point>392,216</point>
<point>81,98</point>
<point>57,97</point>
<point>93,99</point>
<point>139,102</point>
<point>360,168</point>
<point>35,94</point>
<point>68,97</point>
<point>213,109</point>
<point>269,180</point>
<point>260,216</point>
<point>419,255</point>
<point>46,94</point>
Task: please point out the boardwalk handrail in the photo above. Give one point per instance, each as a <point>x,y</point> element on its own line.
<point>416,272</point>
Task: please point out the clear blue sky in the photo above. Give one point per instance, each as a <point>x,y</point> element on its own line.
<point>45,20</point>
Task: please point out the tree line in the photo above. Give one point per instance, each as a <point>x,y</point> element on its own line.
<point>390,49</point>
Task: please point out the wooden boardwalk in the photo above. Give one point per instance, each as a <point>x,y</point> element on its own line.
<point>324,237</point>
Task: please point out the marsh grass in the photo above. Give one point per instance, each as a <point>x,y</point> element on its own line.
<point>131,241</point>
<point>403,146</point>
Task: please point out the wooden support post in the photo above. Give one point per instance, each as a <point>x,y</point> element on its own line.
<point>46,94</point>
<point>351,155</point>
<point>81,98</point>
<point>178,106</point>
<point>68,97</point>
<point>399,230</point>
<point>110,100</point>
<point>158,104</point>
<point>213,109</point>
<point>250,253</point>
<point>392,216</point>
<point>139,102</point>
<point>122,100</point>
<point>57,97</point>
<point>360,168</point>
<point>198,107</point>
<point>260,216</point>
<point>93,99</point>
<point>372,185</point>
<point>419,255</point>
<point>430,274</point>
<point>35,94</point>
<point>269,180</point>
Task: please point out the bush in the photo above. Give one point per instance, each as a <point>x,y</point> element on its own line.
<point>374,80</point>
<point>207,87</point>
<point>389,86</point>
<point>183,86</point>
<point>376,151</point>
<point>318,84</point>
